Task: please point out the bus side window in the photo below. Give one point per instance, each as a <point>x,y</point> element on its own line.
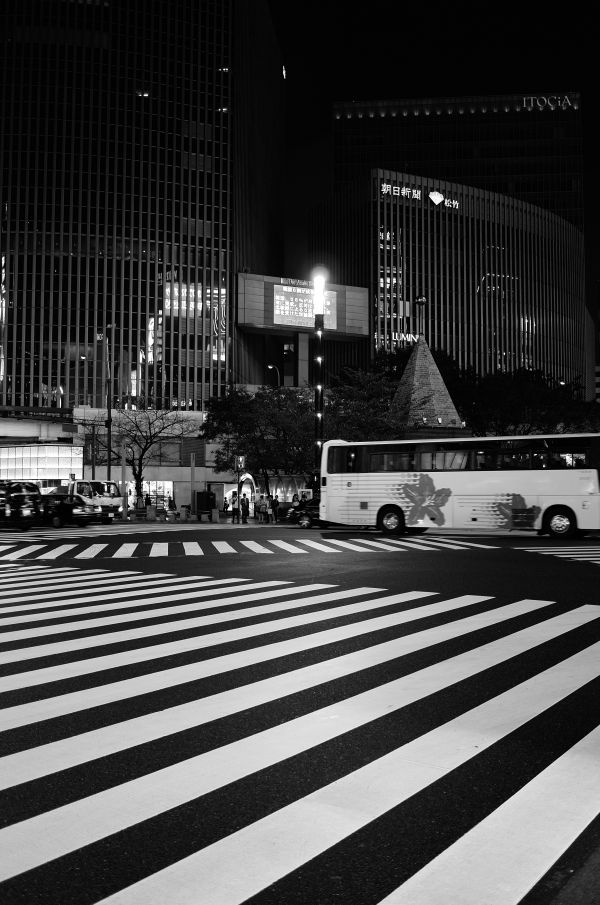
<point>341,459</point>
<point>448,458</point>
<point>392,461</point>
<point>484,460</point>
<point>426,459</point>
<point>377,462</point>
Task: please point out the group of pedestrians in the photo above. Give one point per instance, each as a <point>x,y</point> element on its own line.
<point>266,508</point>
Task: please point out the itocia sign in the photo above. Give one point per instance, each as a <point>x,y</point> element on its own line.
<point>550,102</point>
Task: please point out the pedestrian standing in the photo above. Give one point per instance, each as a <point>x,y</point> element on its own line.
<point>275,508</point>
<point>235,508</point>
<point>261,508</point>
<point>245,509</point>
<point>268,508</point>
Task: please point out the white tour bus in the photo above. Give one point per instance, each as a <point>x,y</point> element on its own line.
<point>547,483</point>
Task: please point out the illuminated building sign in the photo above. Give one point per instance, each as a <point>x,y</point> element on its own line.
<point>405,191</point>
<point>548,102</point>
<point>401,191</point>
<point>293,305</point>
<point>437,198</point>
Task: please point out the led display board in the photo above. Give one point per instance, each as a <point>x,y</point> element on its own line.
<point>293,305</point>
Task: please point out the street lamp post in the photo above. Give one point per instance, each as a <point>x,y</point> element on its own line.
<point>319,313</point>
<point>275,368</point>
<point>108,404</point>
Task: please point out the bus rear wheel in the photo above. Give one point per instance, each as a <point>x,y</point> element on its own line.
<point>560,521</point>
<point>391,520</point>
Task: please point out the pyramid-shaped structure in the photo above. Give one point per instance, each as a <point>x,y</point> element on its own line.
<point>422,401</point>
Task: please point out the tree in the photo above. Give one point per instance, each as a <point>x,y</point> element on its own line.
<point>526,402</point>
<point>357,405</point>
<point>520,402</point>
<point>146,437</point>
<point>273,428</point>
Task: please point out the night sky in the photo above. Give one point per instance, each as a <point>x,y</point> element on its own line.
<point>395,49</point>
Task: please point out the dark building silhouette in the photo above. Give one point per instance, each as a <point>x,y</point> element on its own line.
<point>140,161</point>
<point>527,146</point>
<point>476,205</point>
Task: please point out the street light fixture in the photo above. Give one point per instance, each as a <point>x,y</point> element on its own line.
<point>108,403</point>
<point>275,368</point>
<point>419,304</point>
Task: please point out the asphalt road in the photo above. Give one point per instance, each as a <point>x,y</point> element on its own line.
<point>225,714</point>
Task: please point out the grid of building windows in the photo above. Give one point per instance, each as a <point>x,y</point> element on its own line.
<point>115,193</point>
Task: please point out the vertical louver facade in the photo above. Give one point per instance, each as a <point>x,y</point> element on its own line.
<point>494,282</point>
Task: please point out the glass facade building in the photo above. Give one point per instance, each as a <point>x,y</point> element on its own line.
<point>504,272</point>
<point>494,282</point>
<point>527,146</point>
<point>128,176</point>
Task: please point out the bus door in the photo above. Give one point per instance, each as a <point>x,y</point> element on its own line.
<point>342,489</point>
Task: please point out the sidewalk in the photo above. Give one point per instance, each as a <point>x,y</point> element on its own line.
<point>141,525</point>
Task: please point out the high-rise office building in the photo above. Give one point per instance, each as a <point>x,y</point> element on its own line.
<point>139,153</point>
<point>522,152</point>
<point>526,146</point>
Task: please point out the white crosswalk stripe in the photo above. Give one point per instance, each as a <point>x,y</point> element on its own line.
<point>91,552</point>
<point>192,548</point>
<point>589,553</point>
<point>24,551</point>
<point>219,740</point>
<point>57,551</point>
<point>255,547</point>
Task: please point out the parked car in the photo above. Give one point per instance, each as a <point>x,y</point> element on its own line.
<point>20,504</point>
<point>304,516</point>
<point>59,510</point>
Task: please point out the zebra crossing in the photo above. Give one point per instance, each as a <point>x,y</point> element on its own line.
<point>112,549</point>
<point>201,739</point>
<point>115,529</point>
<point>581,553</point>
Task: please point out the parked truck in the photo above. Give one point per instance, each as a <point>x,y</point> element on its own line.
<point>104,493</point>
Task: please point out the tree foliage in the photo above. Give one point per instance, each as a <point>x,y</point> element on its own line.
<point>520,402</point>
<point>146,437</point>
<point>357,405</point>
<point>273,428</point>
<point>526,402</point>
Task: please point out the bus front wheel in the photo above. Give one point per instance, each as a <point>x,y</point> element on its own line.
<point>391,520</point>
<point>560,522</point>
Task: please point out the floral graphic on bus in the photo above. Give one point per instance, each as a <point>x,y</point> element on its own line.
<point>424,500</point>
<point>515,513</point>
